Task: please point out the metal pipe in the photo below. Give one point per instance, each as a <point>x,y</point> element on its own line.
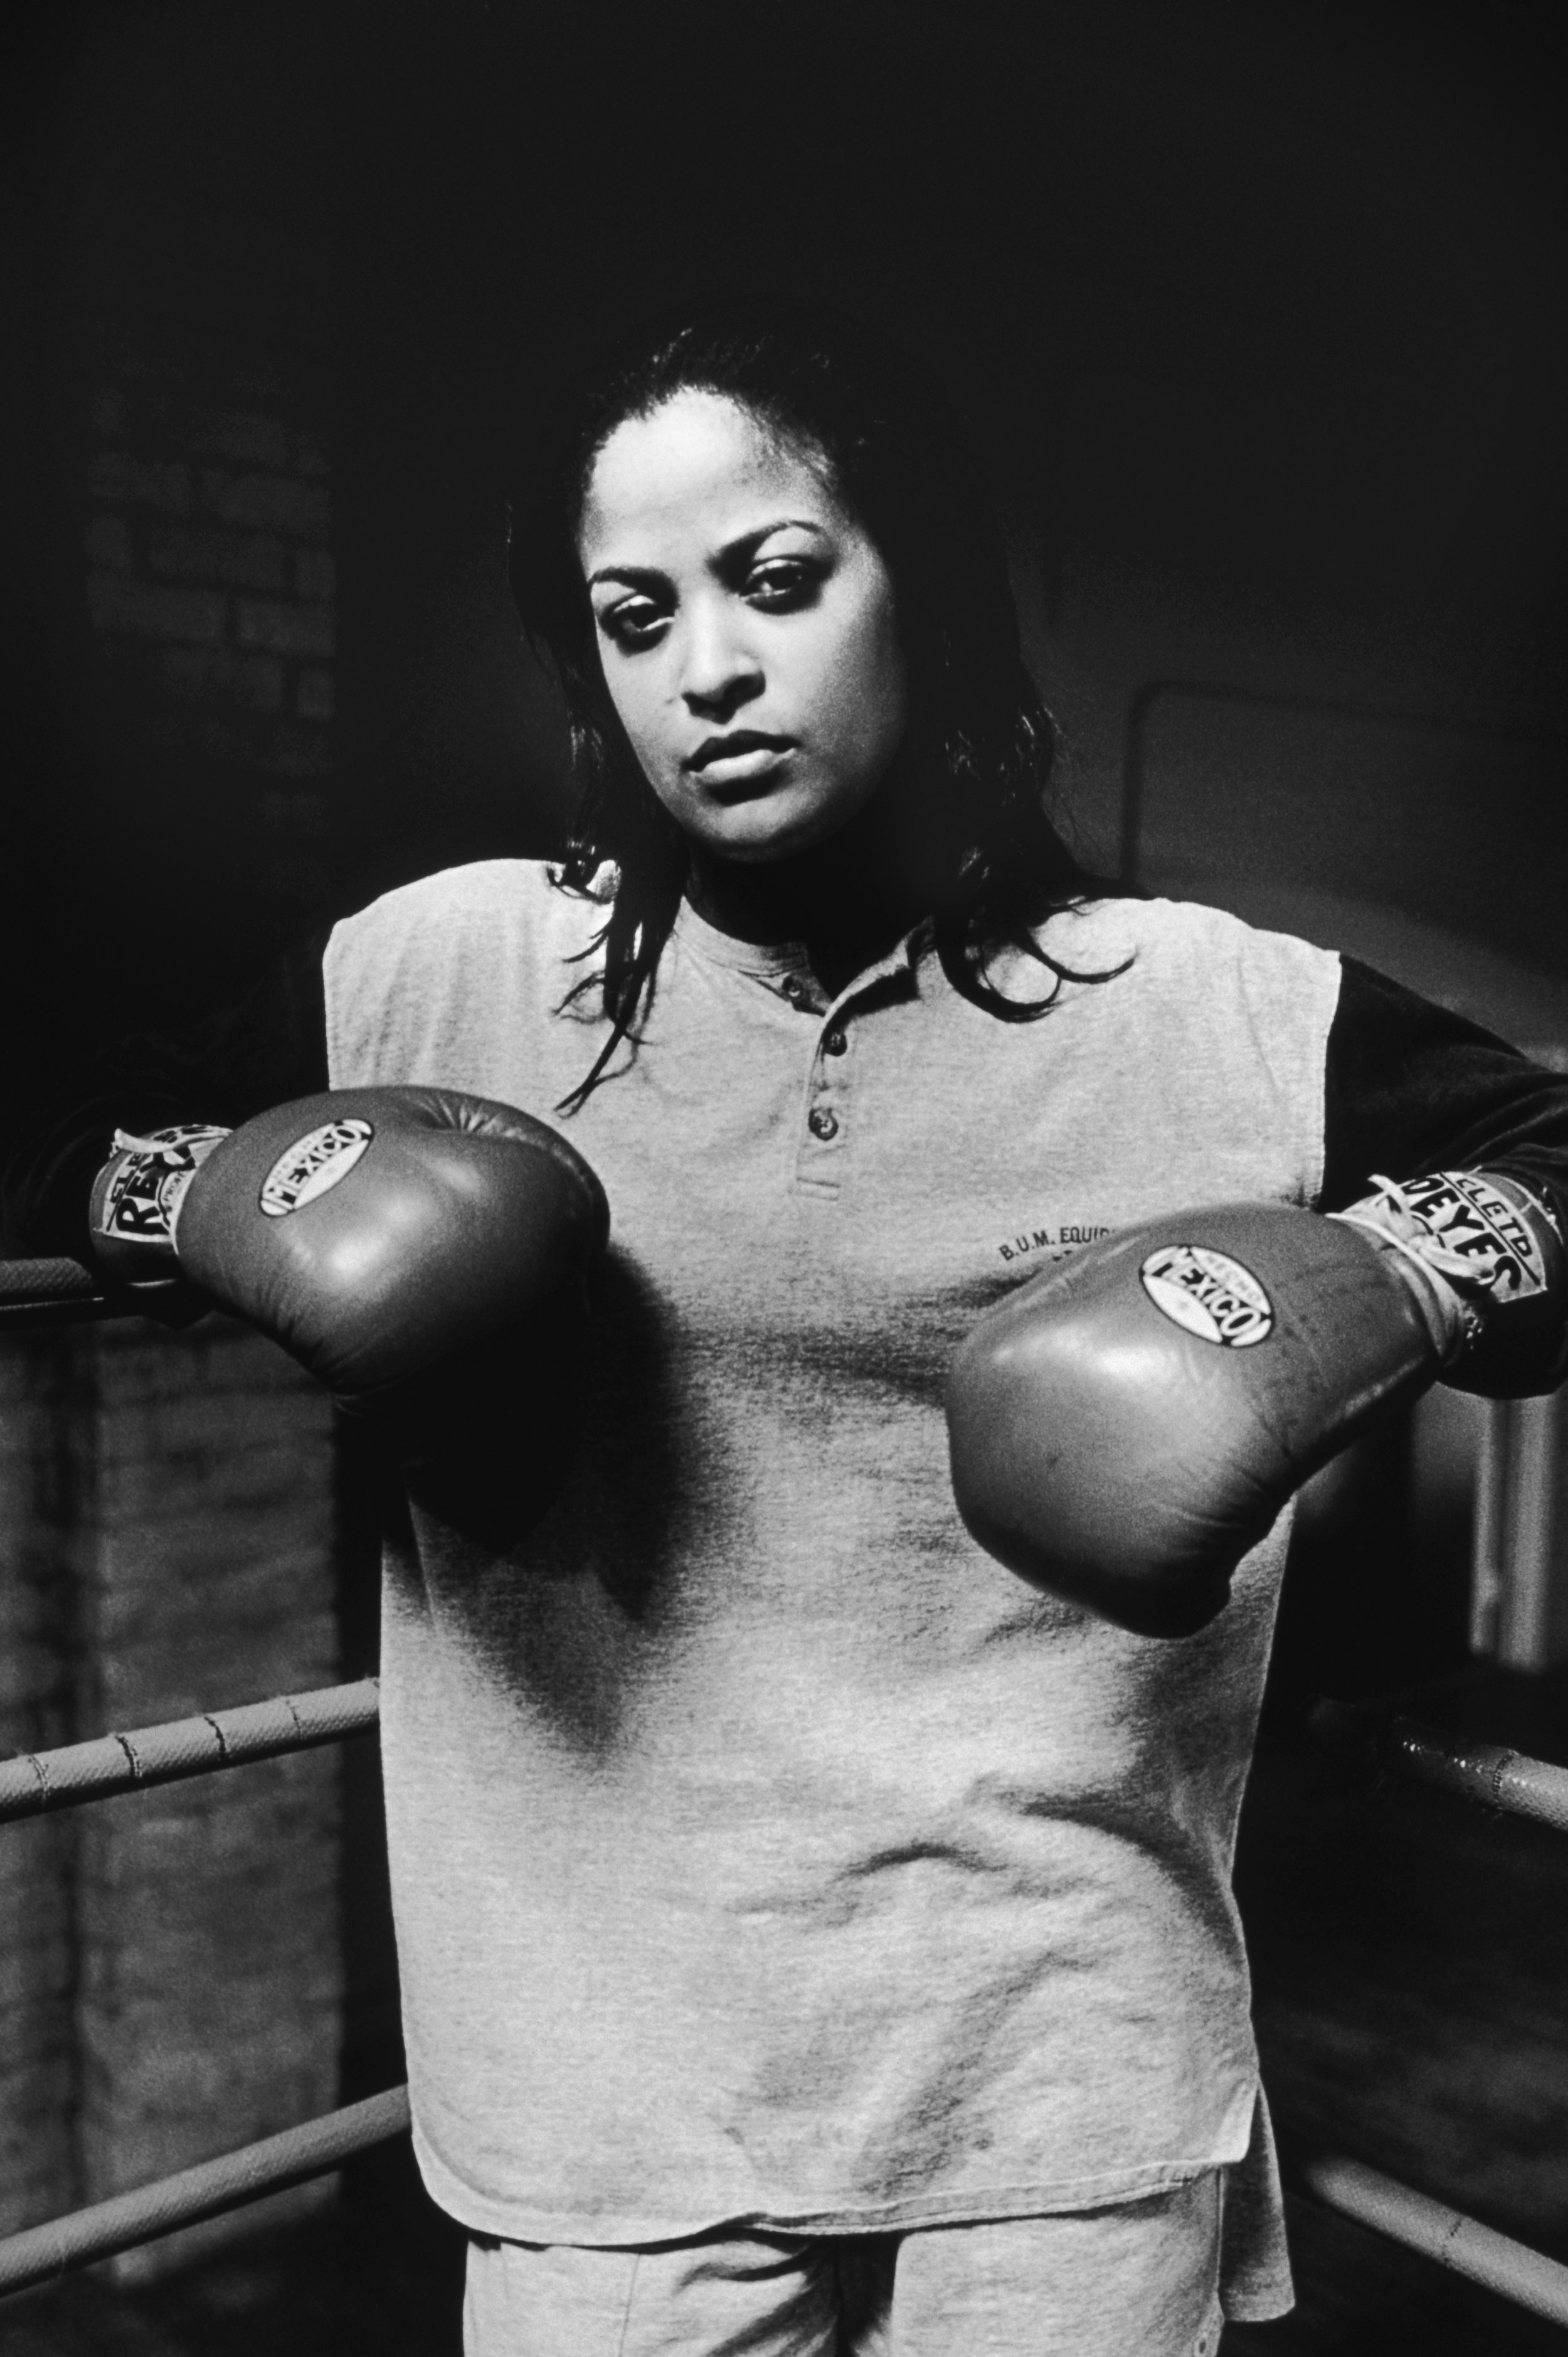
<point>213,2187</point>
<point>37,1782</point>
<point>1480,2253</point>
<point>1488,1772</point>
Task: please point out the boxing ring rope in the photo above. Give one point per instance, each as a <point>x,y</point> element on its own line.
<point>1488,1772</point>
<point>1480,2253</point>
<point>36,1294</point>
<point>35,1783</point>
<point>58,1292</point>
<point>38,1783</point>
<point>209,2191</point>
<point>63,1292</point>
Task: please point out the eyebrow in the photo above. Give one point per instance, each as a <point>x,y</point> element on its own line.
<point>644,576</point>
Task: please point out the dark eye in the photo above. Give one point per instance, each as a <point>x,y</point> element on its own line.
<point>780,584</point>
<point>635,622</point>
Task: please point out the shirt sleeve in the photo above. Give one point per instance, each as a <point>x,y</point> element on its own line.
<point>270,1046</point>
<point>1412,1088</point>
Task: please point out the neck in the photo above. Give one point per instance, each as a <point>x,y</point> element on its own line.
<point>848,899</point>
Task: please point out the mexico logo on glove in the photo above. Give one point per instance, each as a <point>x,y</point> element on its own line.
<point>313,1164</point>
<point>1209,1293</point>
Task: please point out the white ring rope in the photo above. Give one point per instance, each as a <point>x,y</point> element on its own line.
<point>213,2187</point>
<point>1479,2253</point>
<point>37,1782</point>
<point>1489,1773</point>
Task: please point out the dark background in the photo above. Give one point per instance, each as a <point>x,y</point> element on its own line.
<point>1257,312</point>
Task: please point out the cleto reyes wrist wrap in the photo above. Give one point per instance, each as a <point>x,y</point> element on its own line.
<point>136,1196</point>
<point>1491,1255</point>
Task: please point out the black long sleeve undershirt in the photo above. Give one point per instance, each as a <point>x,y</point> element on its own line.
<point>1408,1088</point>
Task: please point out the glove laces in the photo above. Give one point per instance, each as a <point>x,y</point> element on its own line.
<point>1444,1270</point>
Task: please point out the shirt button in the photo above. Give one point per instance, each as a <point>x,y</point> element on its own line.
<point>834,1043</point>
<point>792,986</point>
<point>822,1124</point>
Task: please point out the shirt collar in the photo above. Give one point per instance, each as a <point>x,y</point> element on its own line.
<point>769,959</point>
<point>770,962</point>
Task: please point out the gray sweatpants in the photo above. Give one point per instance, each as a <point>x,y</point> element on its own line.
<point>1138,2281</point>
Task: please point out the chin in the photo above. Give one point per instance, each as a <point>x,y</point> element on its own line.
<point>768,838</point>
<point>764,851</point>
<point>764,834</point>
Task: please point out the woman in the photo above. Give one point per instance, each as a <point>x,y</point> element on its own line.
<point>812,1937</point>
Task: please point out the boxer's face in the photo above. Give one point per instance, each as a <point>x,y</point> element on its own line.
<point>745,627</point>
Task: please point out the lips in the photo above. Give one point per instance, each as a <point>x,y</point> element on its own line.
<point>732,747</point>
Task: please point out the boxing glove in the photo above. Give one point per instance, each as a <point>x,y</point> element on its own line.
<point>131,1215</point>
<point>421,1253</point>
<point>1492,1252</point>
<point>1124,1427</point>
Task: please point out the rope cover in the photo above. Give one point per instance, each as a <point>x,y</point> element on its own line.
<point>1488,1772</point>
<point>1483,1771</point>
<point>35,1783</point>
<point>41,1293</point>
<point>313,2149</point>
<point>1526,2277</point>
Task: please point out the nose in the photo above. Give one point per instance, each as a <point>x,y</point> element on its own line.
<point>721,671</point>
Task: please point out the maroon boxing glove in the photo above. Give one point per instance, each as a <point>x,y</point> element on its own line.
<point>1127,1426</point>
<point>425,1254</point>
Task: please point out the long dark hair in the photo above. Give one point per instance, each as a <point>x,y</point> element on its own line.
<point>977,733</point>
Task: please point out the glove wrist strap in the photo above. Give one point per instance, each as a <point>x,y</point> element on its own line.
<point>1483,1250</point>
<point>137,1198</point>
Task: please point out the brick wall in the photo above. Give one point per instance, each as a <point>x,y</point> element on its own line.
<point>179,486</point>
<point>208,1996</point>
<point>211,598</point>
<point>171,1983</point>
<point>171,1976</point>
<point>37,2046</point>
